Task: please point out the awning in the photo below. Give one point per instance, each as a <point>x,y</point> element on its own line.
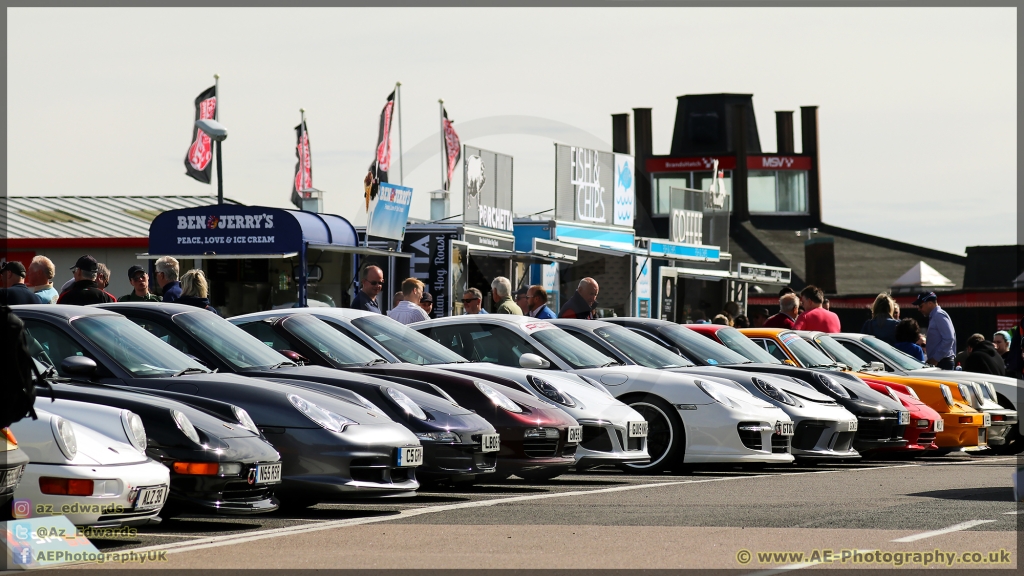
<point>362,250</point>
<point>605,249</point>
<point>698,274</point>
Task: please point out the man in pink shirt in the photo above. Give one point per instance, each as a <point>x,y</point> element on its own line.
<point>814,316</point>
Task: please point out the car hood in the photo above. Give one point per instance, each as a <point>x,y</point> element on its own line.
<point>786,384</point>
<point>683,384</point>
<point>36,439</point>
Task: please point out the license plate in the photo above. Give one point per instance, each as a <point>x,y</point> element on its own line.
<point>575,434</point>
<point>268,473</point>
<point>638,429</point>
<point>848,426</point>
<point>490,443</point>
<point>150,498</point>
<point>940,425</point>
<point>904,417</point>
<point>784,428</point>
<point>10,477</point>
<point>988,419</point>
<point>982,436</point>
<point>411,456</point>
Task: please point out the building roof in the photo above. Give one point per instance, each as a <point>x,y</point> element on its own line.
<point>44,217</point>
<point>864,264</point>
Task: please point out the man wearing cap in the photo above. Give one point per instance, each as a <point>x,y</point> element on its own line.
<point>12,275</point>
<point>85,290</point>
<point>427,303</point>
<point>941,336</point>
<point>139,278</point>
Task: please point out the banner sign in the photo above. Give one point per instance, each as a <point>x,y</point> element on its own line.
<point>705,164</point>
<point>432,263</point>
<point>589,183</point>
<point>303,179</point>
<point>679,251</point>
<point>224,229</point>
<point>198,161</point>
<point>489,241</point>
<point>389,212</point>
<point>643,287</point>
<point>762,273</point>
<point>487,189</point>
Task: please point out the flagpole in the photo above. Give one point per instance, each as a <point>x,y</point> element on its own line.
<point>216,94</point>
<point>401,160</point>
<point>302,151</point>
<point>216,116</point>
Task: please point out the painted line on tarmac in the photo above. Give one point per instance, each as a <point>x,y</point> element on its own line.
<point>1011,513</point>
<point>226,540</point>
<point>953,528</point>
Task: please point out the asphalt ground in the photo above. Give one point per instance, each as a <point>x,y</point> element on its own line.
<point>609,519</point>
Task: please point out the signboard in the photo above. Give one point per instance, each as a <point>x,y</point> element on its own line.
<point>389,211</point>
<point>686,226</point>
<point>699,216</point>
<point>431,264</point>
<point>643,287</point>
<point>676,251</point>
<point>1006,321</point>
<point>762,273</point>
<point>458,278</point>
<point>224,229</point>
<point>487,189</point>
<point>702,164</point>
<point>489,241</point>
<point>586,182</point>
<point>778,162</point>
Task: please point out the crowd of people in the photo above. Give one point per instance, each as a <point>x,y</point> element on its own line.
<point>89,280</point>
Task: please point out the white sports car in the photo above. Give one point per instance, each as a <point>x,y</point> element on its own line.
<point>691,420</point>
<point>95,478</point>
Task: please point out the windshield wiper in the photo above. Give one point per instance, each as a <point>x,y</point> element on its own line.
<point>376,361</point>
<point>280,364</point>
<point>612,363</point>
<point>191,370</point>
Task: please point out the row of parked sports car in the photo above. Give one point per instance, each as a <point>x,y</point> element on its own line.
<point>158,409</point>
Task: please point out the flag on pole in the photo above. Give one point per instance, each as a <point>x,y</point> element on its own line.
<point>303,166</point>
<point>198,161</point>
<point>453,148</point>
<point>382,157</point>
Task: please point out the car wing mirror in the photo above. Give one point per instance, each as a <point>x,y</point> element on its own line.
<point>295,357</point>
<point>876,367</point>
<point>78,366</point>
<point>533,361</point>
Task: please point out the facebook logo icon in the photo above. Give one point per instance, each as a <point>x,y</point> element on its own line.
<point>23,556</point>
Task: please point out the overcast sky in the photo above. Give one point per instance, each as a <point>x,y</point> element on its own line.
<point>918,121</point>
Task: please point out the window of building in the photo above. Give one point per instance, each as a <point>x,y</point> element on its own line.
<point>777,192</point>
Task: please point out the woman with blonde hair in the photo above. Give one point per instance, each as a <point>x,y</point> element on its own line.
<point>195,290</point>
<point>882,325</point>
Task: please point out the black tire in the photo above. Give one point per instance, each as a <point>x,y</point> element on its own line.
<point>544,474</point>
<point>666,436</point>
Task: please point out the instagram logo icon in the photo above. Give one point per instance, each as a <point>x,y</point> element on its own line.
<point>21,509</point>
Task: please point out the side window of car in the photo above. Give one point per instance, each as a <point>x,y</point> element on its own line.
<point>51,345</point>
<point>162,333</point>
<point>860,352</point>
<point>772,347</point>
<point>500,346</point>
<point>454,338</point>
<point>589,340</point>
<point>265,333</point>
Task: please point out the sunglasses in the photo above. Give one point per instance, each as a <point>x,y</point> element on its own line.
<point>374,283</point>
<point>469,300</point>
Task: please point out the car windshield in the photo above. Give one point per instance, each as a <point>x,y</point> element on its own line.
<point>840,353</point>
<point>326,340</point>
<point>735,340</point>
<point>567,347</point>
<point>133,348</point>
<point>807,355</point>
<point>893,354</point>
<point>704,349</point>
<point>639,349</point>
<point>404,342</point>
<point>232,344</point>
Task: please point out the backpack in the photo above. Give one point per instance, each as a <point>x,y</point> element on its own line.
<point>19,390</point>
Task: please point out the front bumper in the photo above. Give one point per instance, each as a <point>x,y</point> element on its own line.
<point>1002,422</point>
<point>879,433</point>
<point>962,435</point>
<point>113,508</point>
<point>608,443</point>
<point>521,454</point>
<point>446,461</point>
<point>713,437</point>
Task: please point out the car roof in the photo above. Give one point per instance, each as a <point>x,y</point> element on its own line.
<point>162,307</point>
<point>589,325</point>
<point>491,318</point>
<point>763,332</point>
<point>705,328</point>
<point>63,310</point>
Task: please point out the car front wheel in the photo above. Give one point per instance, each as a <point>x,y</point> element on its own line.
<point>666,438</point>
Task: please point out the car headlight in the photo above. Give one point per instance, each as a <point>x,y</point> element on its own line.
<point>892,394</point>
<point>324,418</point>
<point>133,427</point>
<point>965,393</point>
<point>715,391</point>
<point>244,419</point>
<point>451,437</point>
<point>595,384</point>
<point>947,394</point>
<point>773,392</point>
<point>548,390</point>
<point>498,398</point>
<point>830,383</point>
<point>185,425</point>
<point>64,434</point>
<point>406,403</point>
<point>992,392</point>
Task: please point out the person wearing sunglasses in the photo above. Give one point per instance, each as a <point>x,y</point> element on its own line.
<point>472,300</point>
<point>371,282</point>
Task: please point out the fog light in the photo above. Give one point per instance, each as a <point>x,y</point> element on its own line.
<point>922,423</point>
<point>65,486</point>
<point>207,468</point>
<point>966,419</point>
<point>998,418</point>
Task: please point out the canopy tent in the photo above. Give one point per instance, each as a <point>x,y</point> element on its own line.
<point>920,277</point>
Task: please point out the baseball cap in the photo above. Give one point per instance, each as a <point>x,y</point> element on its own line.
<point>925,297</point>
<point>86,264</point>
<point>427,297</point>
<point>14,266</point>
<point>135,270</point>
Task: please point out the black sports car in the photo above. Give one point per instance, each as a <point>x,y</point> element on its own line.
<point>332,445</point>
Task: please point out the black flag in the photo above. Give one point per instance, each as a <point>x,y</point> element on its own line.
<point>303,179</point>
<point>199,160</point>
<point>452,147</point>
<point>382,156</point>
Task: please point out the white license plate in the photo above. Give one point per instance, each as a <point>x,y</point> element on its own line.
<point>982,436</point>
<point>988,419</point>
<point>150,498</point>
<point>490,443</point>
<point>784,428</point>
<point>575,434</point>
<point>10,477</point>
<point>940,425</point>
<point>268,473</point>
<point>848,426</point>
<point>638,429</point>
<point>904,417</point>
<point>411,456</point>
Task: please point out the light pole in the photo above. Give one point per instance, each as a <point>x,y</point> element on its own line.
<point>217,133</point>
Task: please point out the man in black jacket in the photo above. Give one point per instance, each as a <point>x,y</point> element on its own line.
<point>583,302</point>
<point>12,276</point>
<point>85,290</point>
<point>983,358</point>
